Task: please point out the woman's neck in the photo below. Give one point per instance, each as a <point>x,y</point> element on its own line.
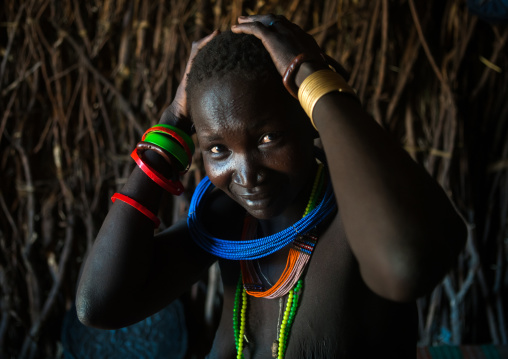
<point>293,211</point>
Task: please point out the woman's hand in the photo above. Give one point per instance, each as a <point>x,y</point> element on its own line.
<point>177,113</point>
<point>283,39</point>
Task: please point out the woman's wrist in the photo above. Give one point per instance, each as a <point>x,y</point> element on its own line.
<point>157,162</point>
<point>306,69</point>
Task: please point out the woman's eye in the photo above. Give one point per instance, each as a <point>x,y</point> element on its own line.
<point>269,137</point>
<point>217,149</point>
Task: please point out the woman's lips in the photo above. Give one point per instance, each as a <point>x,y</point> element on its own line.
<point>256,199</point>
<point>257,203</point>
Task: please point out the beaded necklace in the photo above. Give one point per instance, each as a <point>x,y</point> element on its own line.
<point>298,257</point>
<point>239,319</point>
<point>298,234</point>
<point>289,282</point>
<point>255,248</point>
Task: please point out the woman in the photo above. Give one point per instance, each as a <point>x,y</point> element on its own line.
<point>377,231</point>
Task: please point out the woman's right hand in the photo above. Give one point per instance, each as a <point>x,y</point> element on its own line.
<point>177,113</point>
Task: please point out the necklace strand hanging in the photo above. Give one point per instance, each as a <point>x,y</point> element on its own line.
<point>298,257</point>
<point>279,346</point>
<point>289,282</point>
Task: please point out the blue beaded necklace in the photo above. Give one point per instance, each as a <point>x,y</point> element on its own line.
<point>255,248</point>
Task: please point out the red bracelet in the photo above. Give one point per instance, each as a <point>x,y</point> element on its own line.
<point>144,146</point>
<point>138,206</point>
<point>172,187</point>
<point>174,135</point>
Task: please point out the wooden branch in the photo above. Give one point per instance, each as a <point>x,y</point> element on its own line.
<point>8,48</point>
<point>406,67</point>
<point>382,63</point>
<point>456,297</point>
<point>425,46</point>
<point>30,342</point>
<point>498,46</point>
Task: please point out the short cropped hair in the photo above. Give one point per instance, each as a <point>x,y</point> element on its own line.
<point>241,55</point>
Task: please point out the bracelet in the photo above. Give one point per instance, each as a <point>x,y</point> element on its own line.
<point>181,133</point>
<point>171,147</point>
<point>165,131</point>
<point>318,84</point>
<point>172,187</point>
<point>145,146</point>
<point>289,74</point>
<point>138,206</point>
<point>173,134</point>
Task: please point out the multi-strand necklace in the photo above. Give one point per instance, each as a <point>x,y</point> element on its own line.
<point>300,235</point>
<point>255,248</point>
<point>298,257</point>
<point>279,346</point>
<point>289,281</point>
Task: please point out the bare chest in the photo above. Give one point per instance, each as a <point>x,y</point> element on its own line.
<point>335,316</point>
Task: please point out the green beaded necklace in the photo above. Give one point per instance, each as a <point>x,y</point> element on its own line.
<point>239,317</point>
<point>240,310</point>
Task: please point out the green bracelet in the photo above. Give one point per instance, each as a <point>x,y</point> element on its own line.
<point>182,134</point>
<point>169,146</point>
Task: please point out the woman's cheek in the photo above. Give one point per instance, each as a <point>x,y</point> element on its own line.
<point>218,173</point>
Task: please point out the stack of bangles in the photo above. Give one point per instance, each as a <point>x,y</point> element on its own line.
<point>175,147</point>
<point>316,85</point>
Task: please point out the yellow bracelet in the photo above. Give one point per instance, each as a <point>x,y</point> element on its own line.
<point>318,84</point>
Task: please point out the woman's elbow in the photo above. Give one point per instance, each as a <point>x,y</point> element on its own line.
<point>407,276</point>
<point>421,275</point>
<point>87,312</point>
<point>91,313</point>
<point>84,312</point>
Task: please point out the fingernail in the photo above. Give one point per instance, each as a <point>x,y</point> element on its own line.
<point>233,26</point>
<point>242,17</point>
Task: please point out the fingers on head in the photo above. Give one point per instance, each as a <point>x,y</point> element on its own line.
<point>255,28</point>
<point>264,25</point>
<point>267,19</point>
<point>272,22</point>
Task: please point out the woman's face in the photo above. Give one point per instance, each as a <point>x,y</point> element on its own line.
<point>253,148</point>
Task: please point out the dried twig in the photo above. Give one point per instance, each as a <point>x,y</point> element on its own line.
<point>79,82</point>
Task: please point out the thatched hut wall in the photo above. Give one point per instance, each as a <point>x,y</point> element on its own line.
<point>81,80</point>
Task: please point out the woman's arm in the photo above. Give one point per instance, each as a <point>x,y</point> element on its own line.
<point>400,224</point>
<point>130,273</point>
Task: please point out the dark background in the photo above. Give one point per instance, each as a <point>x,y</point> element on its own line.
<point>81,80</point>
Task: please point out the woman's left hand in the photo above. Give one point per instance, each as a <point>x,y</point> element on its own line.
<point>282,39</point>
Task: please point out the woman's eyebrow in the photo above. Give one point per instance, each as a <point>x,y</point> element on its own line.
<point>211,136</point>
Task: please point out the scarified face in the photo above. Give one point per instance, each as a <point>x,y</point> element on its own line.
<point>253,147</point>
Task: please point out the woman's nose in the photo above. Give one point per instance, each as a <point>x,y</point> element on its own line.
<point>248,172</point>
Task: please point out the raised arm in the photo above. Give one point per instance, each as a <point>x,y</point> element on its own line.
<point>130,273</point>
<point>400,224</point>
